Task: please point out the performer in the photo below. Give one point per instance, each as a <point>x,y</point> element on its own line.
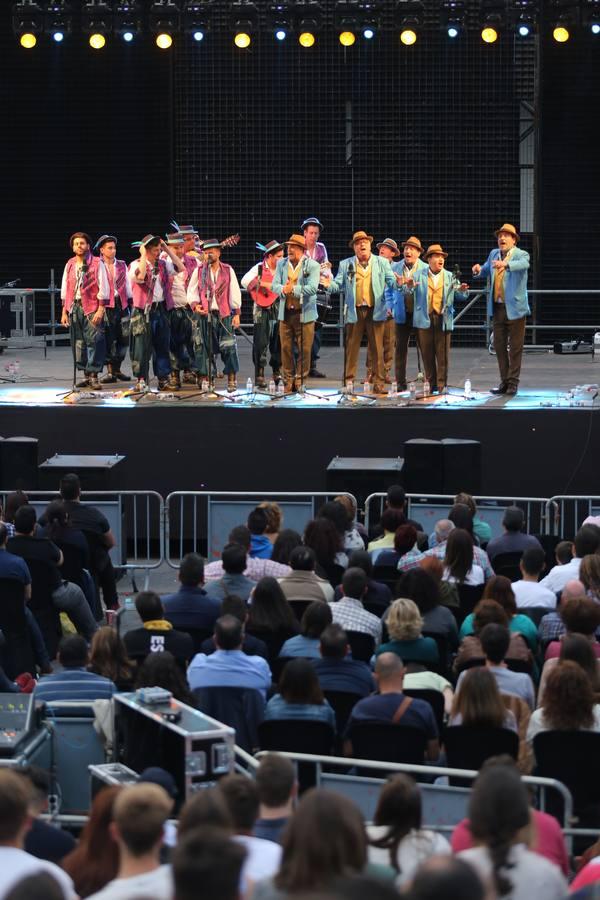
<point>215,297</point>
<point>295,282</point>
<point>363,279</point>
<point>403,303</point>
<point>434,305</point>
<point>114,293</point>
<point>152,300</point>
<point>508,306</point>
<point>315,249</point>
<point>180,317</point>
<point>192,245</point>
<point>266,331</point>
<point>390,250</point>
<point>82,312</point>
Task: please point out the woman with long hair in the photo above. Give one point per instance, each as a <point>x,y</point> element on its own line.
<point>271,618</point>
<point>568,702</point>
<point>274,519</point>
<point>162,670</point>
<point>589,575</point>
<point>322,536</point>
<point>404,625</point>
<point>300,695</point>
<point>338,515</point>
<point>422,587</point>
<point>315,619</point>
<point>499,588</point>
<point>95,860</point>
<point>576,648</point>
<point>396,837</point>
<point>479,702</point>
<point>286,541</point>
<point>108,657</point>
<point>458,560</point>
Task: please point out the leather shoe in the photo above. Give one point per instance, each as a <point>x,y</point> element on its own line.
<point>314,373</point>
<point>501,389</point>
<point>511,390</point>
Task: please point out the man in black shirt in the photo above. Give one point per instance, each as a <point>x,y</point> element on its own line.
<point>43,840</point>
<point>158,634</point>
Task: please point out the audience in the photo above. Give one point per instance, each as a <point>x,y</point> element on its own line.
<point>235,606</point>
<point>577,648</point>
<point>303,583</point>
<point>495,641</point>
<point>274,519</point>
<point>44,840</point>
<point>440,533</point>
<point>157,634</point>
<point>108,657</point>
<point>336,670</point>
<point>162,670</point>
<point>580,615</point>
<point>300,695</point>
<point>405,541</point>
<point>14,501</point>
<point>256,568</point>
<point>277,791</point>
<point>513,540</point>
<point>95,860</point>
<point>528,592</point>
<point>423,588</point>
<point>447,878</point>
<point>378,596</point>
<point>391,520</point>
<point>205,809</point>
<point>233,580</point>
<point>587,541</point>
<point>349,536</point>
<point>271,617</point>
<point>322,536</point>
<point>316,617</point>
<point>479,702</point>
<point>499,588</point>
<point>481,529</point>
<point>563,553</point>
<point>207,857</point>
<point>242,800</point>
<point>349,612</point>
<point>589,574</point>
<point>443,529</point>
<point>73,681</point>
<point>448,592</point>
<point>229,666</point>
<point>459,567</point>
<point>396,499</point>
<point>260,545</point>
<point>568,702</point>
<point>191,605</point>
<point>287,541</point>
<point>404,625</point>
<point>551,626</point>
<point>349,504</point>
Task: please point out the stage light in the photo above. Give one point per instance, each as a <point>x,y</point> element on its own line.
<point>345,21</point>
<point>368,17</point>
<point>308,19</point>
<point>561,34</point>
<point>28,23</point>
<point>58,20</point>
<point>590,15</point>
<point>164,40</point>
<point>453,18</point>
<point>164,20</point>
<point>408,37</point>
<point>409,16</point>
<point>97,41</point>
<point>368,33</point>
<point>489,35</point>
<point>595,27</point>
<point>306,39</point>
<point>197,16</point>
<point>523,30</point>
<point>58,36</point>
<point>244,21</point>
<point>279,19</point>
<point>96,22</point>
<point>127,20</point>
<point>347,38</point>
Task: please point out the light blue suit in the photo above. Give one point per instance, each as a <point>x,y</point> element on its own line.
<point>395,296</point>
<point>450,292</point>
<point>515,283</point>
<point>305,288</point>
<point>382,278</point>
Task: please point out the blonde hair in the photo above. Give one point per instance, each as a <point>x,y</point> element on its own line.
<point>140,812</point>
<point>274,516</point>
<point>348,504</point>
<point>404,622</point>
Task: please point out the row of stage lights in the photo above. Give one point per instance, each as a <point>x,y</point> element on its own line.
<point>126,19</point>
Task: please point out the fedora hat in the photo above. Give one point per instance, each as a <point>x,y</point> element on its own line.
<point>104,239</point>
<point>183,229</point>
<point>298,240</point>
<point>361,236</point>
<point>146,240</point>
<point>434,248</point>
<point>174,238</point>
<point>270,247</point>
<point>413,242</point>
<point>211,244</point>
<point>388,242</point>
<point>312,220</point>
<point>510,229</point>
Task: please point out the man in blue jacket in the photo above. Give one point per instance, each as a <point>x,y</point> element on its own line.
<point>403,300</point>
<point>506,268</point>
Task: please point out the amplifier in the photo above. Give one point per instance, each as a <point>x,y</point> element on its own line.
<point>16,722</point>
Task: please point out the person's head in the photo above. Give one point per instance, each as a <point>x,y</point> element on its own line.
<point>441,877</point>
<point>578,648</point>
<point>513,519</point>
<point>25,519</point>
<point>563,552</point>
<point>349,504</point>
<point>337,515</point>
<point>80,242</point>
<point>389,673</point>
<point>361,244</point>
<point>507,237</point>
<point>399,811</point>
<point>499,816</point>
<point>568,700</point>
<point>572,590</point>
<point>73,652</point>
<point>38,781</point>
<point>232,605</point>
<point>285,543</point>
<point>488,612</point>
<point>240,535</point>
<point>207,857</point>
<point>205,809</point>
<point>70,486</point>
<point>95,860</point>
<point>404,621</point>
<point>461,517</point>
<point>468,501</point>
<point>495,640</point>
<point>312,233</point>
<point>257,521</point>
<point>241,798</point>
<point>303,559</point>
<point>41,886</point>
<point>57,517</point>
<point>162,670</point>
<point>108,654</point>
<point>533,562</point>
<point>334,642</point>
<point>442,529</point>
<point>354,583</point>
<point>459,554</point>
<point>233,558</point>
<point>411,250</point>
<point>322,536</point>
<point>191,570</point>
<point>395,497</point>
<point>361,559</point>
<point>299,683</point>
<point>405,538</point>
<point>499,588</point>
<point>149,606</point>
<point>276,781</point>
<point>229,633</point>
<point>3,535</point>
<point>14,501</point>
<point>589,573</point>
<point>274,516</point>
<point>15,797</point>
<point>270,609</point>
<point>392,519</point>
<point>107,247</point>
<point>420,586</point>
<point>316,617</point>
<point>139,815</point>
<point>479,701</point>
<point>580,614</point>
<point>434,566</point>
<point>587,540</point>
<point>324,839</point>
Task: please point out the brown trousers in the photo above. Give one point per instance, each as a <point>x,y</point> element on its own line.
<point>403,335</point>
<point>354,332</point>
<point>434,343</point>
<point>509,337</point>
<point>389,348</point>
<point>290,330</point>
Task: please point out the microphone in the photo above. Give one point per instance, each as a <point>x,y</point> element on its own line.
<point>457,275</point>
<point>13,283</point>
<point>351,271</point>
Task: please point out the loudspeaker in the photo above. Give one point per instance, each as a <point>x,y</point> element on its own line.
<point>423,466</point>
<point>19,463</point>
<point>96,473</point>
<point>362,476</point>
<point>462,466</point>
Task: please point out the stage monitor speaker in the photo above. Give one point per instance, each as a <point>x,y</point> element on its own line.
<point>362,476</point>
<point>423,466</point>
<point>96,473</point>
<point>19,463</point>
<point>462,466</point>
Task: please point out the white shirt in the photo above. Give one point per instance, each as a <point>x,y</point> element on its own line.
<point>157,884</point>
<point>557,577</point>
<point>473,577</point>
<point>158,293</point>
<point>194,293</point>
<point>531,875</point>
<point>413,850</point>
<point>537,723</point>
<point>435,277</point>
<point>105,280</point>
<point>262,860</point>
<point>16,864</point>
<point>531,594</point>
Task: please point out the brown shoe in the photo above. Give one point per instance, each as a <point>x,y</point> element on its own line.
<point>231,383</point>
<point>93,382</point>
<point>260,379</point>
<point>188,377</point>
<point>174,382</point>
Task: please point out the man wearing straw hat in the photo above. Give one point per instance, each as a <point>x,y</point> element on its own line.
<point>390,250</point>
<point>506,268</point>
<point>408,314</point>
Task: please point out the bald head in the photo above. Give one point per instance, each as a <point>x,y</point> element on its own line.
<point>442,530</point>
<point>572,589</point>
<point>389,673</point>
<point>440,877</point>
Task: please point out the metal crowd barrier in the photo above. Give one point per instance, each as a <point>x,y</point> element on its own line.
<point>567,512</point>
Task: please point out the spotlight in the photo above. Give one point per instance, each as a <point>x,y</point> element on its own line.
<point>408,37</point>
<point>164,22</point>
<point>523,17</point>
<point>492,15</point>
<point>96,22</point>
<point>196,18</point>
<point>489,35</point>
<point>58,20</point>
<point>28,23</point>
<point>368,18</point>
<point>308,18</point>
<point>409,16</point>
<point>127,20</point>
<point>347,38</point>
<point>368,33</point>
<point>561,34</point>
<point>279,20</point>
<point>244,22</point>
<point>453,18</point>
<point>306,39</point>
<point>346,22</point>
<point>590,15</point>
<point>595,27</point>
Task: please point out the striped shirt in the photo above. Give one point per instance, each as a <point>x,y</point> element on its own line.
<point>255,569</point>
<point>411,560</point>
<point>75,685</point>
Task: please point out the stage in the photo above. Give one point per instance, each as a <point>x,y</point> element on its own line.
<point>539,443</point>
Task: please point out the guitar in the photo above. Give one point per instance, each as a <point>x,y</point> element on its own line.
<point>262,296</point>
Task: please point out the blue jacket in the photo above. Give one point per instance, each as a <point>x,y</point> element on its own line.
<point>515,283</point>
<point>382,278</point>
<point>422,286</point>
<point>395,296</point>
<point>306,287</point>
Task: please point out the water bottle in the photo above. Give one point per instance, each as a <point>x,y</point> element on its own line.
<point>204,386</point>
<point>249,385</point>
<point>468,394</point>
<point>280,388</point>
<point>349,386</point>
<point>272,387</point>
<point>426,388</point>
<point>367,387</point>
<point>412,390</point>
<point>394,388</point>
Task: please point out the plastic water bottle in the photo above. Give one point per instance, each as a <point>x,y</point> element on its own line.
<point>272,387</point>
<point>204,386</point>
<point>426,388</point>
<point>412,390</point>
<point>468,394</point>
<point>394,388</point>
<point>280,388</point>
<point>249,385</point>
<point>367,387</point>
<point>349,386</point>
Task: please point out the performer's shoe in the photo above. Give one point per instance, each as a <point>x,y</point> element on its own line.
<point>388,378</point>
<point>231,383</point>
<point>379,388</point>
<point>314,373</point>
<point>121,376</point>
<point>220,374</point>
<point>93,382</point>
<point>85,382</point>
<point>276,376</point>
<point>260,379</point>
<point>501,389</point>
<point>174,382</point>
<point>189,377</point>
<point>511,390</point>
<point>110,377</point>
<point>163,384</point>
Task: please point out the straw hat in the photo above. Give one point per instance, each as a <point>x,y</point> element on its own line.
<point>298,240</point>
<point>510,229</point>
<point>361,236</point>
<point>434,248</point>
<point>413,242</point>
<point>388,242</point>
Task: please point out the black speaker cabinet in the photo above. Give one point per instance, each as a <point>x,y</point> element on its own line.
<point>19,463</point>
<point>462,466</point>
<point>423,466</point>
<point>362,476</point>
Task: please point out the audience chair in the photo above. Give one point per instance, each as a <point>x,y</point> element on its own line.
<point>299,607</point>
<point>507,564</point>
<point>42,605</point>
<point>298,736</point>
<point>342,702</point>
<point>240,708</point>
<point>571,757</point>
<point>535,613</point>
<point>361,644</point>
<point>468,747</point>
<point>469,596</point>
<point>435,700</point>
<point>198,635</point>
<point>388,575</point>
<point>387,743</point>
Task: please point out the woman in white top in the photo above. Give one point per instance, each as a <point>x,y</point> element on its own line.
<point>459,567</point>
<point>396,837</point>
<point>578,648</point>
<point>568,704</point>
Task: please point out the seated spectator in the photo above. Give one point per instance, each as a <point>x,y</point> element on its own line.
<point>255,568</point>
<point>384,706</point>
<point>459,567</point>
<point>139,815</point>
<point>349,612</point>
<point>277,791</point>
<point>14,501</point>
<point>478,702</point>
<point>315,619</point>
<point>251,646</point>
<point>233,581</point>
<point>162,670</point>
<point>108,657</point>
<point>423,588</point>
<point>303,583</point>
<point>442,877</point>
<point>397,837</point>
<point>499,588</point>
<point>336,670</point>
<point>322,536</point>
<point>577,648</point>
<point>44,840</point>
<point>501,824</point>
<point>349,537</point>
<point>378,596</point>
<point>568,702</point>
<point>579,615</point>
<point>205,809</point>
<point>300,695</point>
<point>443,528</point>
<point>228,666</point>
<point>489,612</point>
<point>589,575</point>
<point>60,531</point>
<point>95,860</point>
<point>271,617</point>
<point>15,862</point>
<point>481,529</point>
<point>551,626</point>
<point>287,541</point>
<point>391,520</point>
<point>440,533</point>
<point>448,592</point>
<point>461,517</point>
<point>404,625</point>
<point>349,504</point>
<point>563,553</point>
<point>418,678</point>
<point>325,839</point>
<point>396,499</point>
<point>242,800</point>
<point>587,540</point>
<point>260,545</point>
<point>73,681</point>
<point>405,541</point>
<point>513,540</point>
<point>495,640</point>
<point>157,633</point>
<point>274,519</point>
<point>527,591</point>
<point>191,605</point>
<point>207,857</point>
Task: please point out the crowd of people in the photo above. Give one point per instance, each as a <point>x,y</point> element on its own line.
<point>443,635</point>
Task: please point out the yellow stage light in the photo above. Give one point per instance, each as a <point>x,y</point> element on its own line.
<point>561,34</point>
<point>164,40</point>
<point>489,34</point>
<point>28,40</point>
<point>306,39</point>
<point>408,37</point>
<point>97,41</point>
<point>242,40</point>
<point>347,38</point>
